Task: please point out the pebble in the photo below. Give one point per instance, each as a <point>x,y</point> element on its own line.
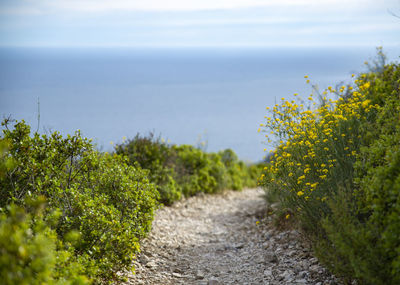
<point>151,264</point>
<point>213,281</point>
<point>177,275</point>
<point>271,257</point>
<point>199,274</point>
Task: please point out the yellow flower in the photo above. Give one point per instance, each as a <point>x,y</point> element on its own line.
<point>287,216</point>
<point>365,86</point>
<point>300,193</point>
<point>365,103</point>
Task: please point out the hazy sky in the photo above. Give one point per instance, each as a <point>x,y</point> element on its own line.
<point>199,22</point>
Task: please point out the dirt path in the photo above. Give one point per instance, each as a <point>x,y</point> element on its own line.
<point>224,239</point>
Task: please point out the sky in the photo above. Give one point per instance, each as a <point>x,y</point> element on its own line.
<point>162,23</point>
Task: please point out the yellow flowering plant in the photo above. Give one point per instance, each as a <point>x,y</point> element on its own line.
<point>335,168</point>
<point>317,144</point>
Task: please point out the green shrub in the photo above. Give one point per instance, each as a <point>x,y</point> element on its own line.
<point>153,154</point>
<point>240,174</point>
<point>185,169</point>
<point>254,171</point>
<point>196,172</point>
<point>108,203</point>
<point>29,253</point>
<point>236,170</point>
<point>337,169</point>
<point>369,238</point>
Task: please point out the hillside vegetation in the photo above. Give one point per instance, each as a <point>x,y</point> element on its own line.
<point>73,215</point>
<point>336,172</point>
<point>186,170</point>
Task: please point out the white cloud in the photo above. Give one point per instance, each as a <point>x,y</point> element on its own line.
<point>193,5</point>
<point>206,22</point>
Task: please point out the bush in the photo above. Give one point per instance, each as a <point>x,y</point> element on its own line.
<point>372,229</point>
<point>337,168</point>
<point>253,173</point>
<point>237,172</point>
<point>107,203</point>
<point>29,253</point>
<point>316,154</point>
<point>186,170</point>
<point>153,154</point>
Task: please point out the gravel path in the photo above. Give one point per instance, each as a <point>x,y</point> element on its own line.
<point>224,239</point>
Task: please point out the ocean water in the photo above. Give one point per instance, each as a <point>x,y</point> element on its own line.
<point>186,95</point>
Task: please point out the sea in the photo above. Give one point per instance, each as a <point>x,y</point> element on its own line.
<point>213,98</point>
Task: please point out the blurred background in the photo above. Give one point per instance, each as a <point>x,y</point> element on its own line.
<point>192,71</point>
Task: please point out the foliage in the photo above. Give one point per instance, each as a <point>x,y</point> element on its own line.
<point>337,167</point>
<point>197,171</point>
<point>101,199</point>
<point>316,153</point>
<point>374,220</point>
<point>29,253</point>
<point>187,170</point>
<point>155,155</point>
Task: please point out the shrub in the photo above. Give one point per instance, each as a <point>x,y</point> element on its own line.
<point>29,253</point>
<point>186,170</point>
<point>153,154</point>
<point>316,153</point>
<point>253,173</point>
<point>106,202</point>
<point>236,170</point>
<point>29,250</point>
<point>372,226</point>
<point>337,167</point>
<point>194,171</point>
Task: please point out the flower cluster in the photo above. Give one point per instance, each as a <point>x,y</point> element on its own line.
<point>317,142</point>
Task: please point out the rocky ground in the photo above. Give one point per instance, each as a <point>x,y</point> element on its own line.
<point>224,239</point>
